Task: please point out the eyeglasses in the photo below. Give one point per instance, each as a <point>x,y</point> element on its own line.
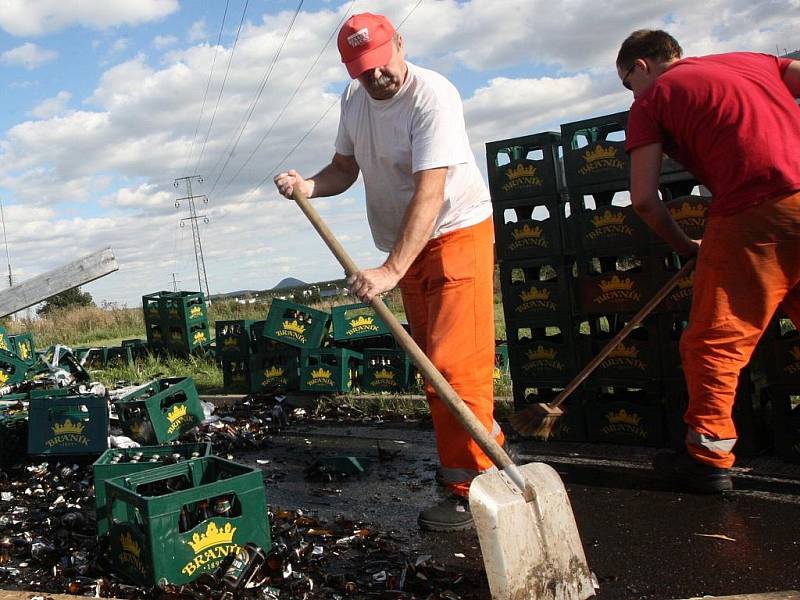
<point>625,82</point>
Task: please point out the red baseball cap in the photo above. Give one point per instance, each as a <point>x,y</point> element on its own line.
<point>365,42</point>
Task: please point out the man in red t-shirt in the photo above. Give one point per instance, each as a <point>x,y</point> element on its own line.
<point>732,120</point>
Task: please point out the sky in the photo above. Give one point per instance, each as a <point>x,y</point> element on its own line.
<point>106,104</point>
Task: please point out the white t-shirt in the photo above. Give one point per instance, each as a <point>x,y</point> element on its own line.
<point>421,127</point>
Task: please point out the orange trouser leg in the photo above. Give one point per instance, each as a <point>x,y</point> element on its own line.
<point>748,265</point>
<point>449,301</point>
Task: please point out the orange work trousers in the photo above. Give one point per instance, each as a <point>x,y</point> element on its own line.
<point>748,266</point>
<point>448,297</point>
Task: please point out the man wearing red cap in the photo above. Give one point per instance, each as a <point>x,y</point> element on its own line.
<point>402,127</point>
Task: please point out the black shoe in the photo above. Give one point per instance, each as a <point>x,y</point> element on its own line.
<point>451,514</point>
<point>682,469</point>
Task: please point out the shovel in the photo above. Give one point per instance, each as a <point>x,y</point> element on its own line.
<point>528,536</point>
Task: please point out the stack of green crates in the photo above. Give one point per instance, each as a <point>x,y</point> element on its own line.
<point>176,322</point>
<point>173,523</point>
<point>161,410</point>
<point>115,462</point>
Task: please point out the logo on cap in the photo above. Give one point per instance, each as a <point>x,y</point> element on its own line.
<point>359,38</point>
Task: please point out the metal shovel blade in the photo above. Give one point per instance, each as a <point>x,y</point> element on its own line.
<point>531,550</point>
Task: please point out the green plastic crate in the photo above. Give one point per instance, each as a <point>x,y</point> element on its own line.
<point>105,468</point>
<point>65,425</point>
<point>233,339</point>
<point>94,358</point>
<point>154,307</point>
<point>235,376</point>
<point>187,307</point>
<point>386,370</point>
<point>356,321</point>
<point>501,362</point>
<point>120,356</point>
<point>160,411</point>
<point>138,348</point>
<point>185,339</point>
<point>275,372</point>
<point>22,345</point>
<point>4,343</point>
<point>12,368</point>
<point>335,370</point>
<point>148,545</point>
<point>295,324</point>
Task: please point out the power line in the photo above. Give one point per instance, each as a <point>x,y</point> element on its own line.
<point>291,98</point>
<point>208,84</point>
<point>222,87</point>
<point>258,96</point>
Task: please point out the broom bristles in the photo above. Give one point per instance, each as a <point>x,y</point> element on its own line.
<point>536,421</point>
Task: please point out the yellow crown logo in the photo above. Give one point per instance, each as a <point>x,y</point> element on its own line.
<point>3,377</point>
<point>534,294</point>
<point>521,171</point>
<point>526,231</point>
<point>688,210</point>
<point>178,411</point>
<point>294,326</point>
<point>796,352</point>
<point>274,372</point>
<point>24,350</point>
<point>230,342</point>
<point>361,321</point>
<point>199,337</point>
<point>384,374</point>
<point>541,353</point>
<point>608,218</point>
<point>599,153</point>
<point>320,374</point>
<point>625,351</point>
<point>195,311</point>
<point>622,416</point>
<point>686,282</point>
<point>615,283</point>
<point>3,344</point>
<point>212,537</point>
<point>129,544</point>
<point>68,427</point>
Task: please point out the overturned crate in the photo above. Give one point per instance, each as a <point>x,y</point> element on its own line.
<point>66,425</point>
<point>115,462</point>
<point>295,324</point>
<point>174,523</point>
<point>160,411</point>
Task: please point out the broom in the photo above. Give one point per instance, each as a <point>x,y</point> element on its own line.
<point>538,420</point>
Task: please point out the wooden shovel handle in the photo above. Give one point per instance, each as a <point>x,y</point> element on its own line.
<point>636,320</point>
<point>445,391</point>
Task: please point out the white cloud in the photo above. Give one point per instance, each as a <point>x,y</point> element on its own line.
<point>115,160</point>
<point>119,45</point>
<point>197,31</point>
<point>57,105</point>
<point>164,41</point>
<point>28,55</point>
<point>39,17</point>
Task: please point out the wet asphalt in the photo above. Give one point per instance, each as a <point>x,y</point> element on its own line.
<point>642,538</point>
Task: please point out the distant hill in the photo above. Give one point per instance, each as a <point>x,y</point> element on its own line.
<point>289,282</point>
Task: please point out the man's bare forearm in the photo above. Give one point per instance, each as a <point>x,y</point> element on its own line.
<point>335,178</point>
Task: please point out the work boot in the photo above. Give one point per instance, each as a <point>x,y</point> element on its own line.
<point>451,514</point>
<point>693,475</point>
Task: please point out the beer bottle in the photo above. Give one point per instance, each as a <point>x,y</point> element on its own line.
<point>244,566</point>
<point>184,522</point>
<point>222,507</point>
<point>203,511</point>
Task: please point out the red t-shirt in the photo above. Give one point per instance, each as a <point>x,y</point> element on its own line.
<point>730,120</point>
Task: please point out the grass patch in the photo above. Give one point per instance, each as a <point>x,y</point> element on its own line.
<point>206,372</point>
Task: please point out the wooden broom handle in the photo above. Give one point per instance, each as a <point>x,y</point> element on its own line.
<point>445,391</point>
<point>636,320</point>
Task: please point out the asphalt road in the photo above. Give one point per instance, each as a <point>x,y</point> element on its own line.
<point>642,539</point>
